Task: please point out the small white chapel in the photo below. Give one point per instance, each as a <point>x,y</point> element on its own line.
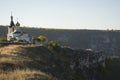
<point>15,33</point>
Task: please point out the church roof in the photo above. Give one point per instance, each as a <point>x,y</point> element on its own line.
<point>11,23</point>
<point>17,32</point>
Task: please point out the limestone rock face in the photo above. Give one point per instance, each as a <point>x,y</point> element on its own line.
<point>78,64</point>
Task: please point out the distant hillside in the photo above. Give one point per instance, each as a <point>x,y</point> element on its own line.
<point>100,40</point>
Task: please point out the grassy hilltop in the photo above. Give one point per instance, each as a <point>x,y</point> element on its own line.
<point>17,63</point>
<point>35,62</point>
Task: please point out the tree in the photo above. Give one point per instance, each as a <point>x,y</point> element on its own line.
<point>54,46</point>
<point>42,38</point>
<point>53,43</point>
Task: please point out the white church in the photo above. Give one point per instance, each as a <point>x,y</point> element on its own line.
<point>16,34</point>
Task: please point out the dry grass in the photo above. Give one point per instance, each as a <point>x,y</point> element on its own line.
<point>14,56</point>
<point>23,75</point>
<point>9,49</point>
<point>6,59</point>
<point>11,54</point>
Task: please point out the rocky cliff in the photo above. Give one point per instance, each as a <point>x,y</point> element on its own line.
<point>35,62</point>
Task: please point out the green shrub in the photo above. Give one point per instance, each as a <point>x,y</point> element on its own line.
<point>42,38</point>
<point>54,46</point>
<point>2,39</point>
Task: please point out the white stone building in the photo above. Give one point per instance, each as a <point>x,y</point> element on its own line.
<point>16,34</point>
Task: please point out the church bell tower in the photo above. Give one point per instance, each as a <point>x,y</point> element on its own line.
<point>11,28</point>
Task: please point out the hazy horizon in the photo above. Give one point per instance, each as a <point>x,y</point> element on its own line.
<point>62,14</point>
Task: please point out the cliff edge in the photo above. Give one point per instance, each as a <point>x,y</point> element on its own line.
<point>35,62</point>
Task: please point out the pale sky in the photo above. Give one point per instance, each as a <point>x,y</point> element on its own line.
<point>69,14</point>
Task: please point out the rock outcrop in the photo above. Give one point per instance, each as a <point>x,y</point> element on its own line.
<point>56,63</point>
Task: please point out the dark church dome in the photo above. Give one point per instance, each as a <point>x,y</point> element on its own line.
<point>17,24</point>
